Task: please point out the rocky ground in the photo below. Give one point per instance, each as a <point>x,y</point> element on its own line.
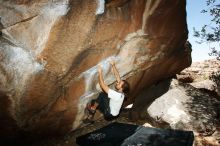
<point>203,69</point>
<point>199,71</point>
<point>70,139</point>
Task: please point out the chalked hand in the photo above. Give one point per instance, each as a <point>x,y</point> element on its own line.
<point>112,62</point>
<point>99,68</point>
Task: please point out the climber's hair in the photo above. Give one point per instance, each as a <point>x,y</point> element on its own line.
<point>125,87</point>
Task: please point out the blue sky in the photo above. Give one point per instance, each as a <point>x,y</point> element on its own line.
<point>196,19</point>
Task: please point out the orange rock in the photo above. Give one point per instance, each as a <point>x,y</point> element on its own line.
<point>145,38</point>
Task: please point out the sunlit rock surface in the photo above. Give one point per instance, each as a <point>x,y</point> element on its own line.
<point>49,52</point>
<point>203,75</point>
<point>187,108</point>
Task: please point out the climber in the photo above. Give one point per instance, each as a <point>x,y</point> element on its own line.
<point>110,101</point>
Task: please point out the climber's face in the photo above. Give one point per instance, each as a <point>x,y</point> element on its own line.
<point>119,85</point>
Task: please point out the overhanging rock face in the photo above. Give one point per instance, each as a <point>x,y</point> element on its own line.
<point>49,52</point>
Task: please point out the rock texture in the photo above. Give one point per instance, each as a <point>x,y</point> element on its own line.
<point>49,51</point>
<point>190,103</point>
<point>201,71</point>
<point>203,75</point>
<point>206,84</point>
<point>187,108</point>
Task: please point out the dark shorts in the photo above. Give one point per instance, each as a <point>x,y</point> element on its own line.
<point>104,107</point>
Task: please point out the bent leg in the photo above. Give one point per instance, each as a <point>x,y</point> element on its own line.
<point>104,107</point>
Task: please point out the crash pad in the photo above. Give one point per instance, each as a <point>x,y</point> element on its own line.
<point>121,134</point>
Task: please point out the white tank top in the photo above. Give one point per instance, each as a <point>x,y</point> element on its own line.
<point>116,100</point>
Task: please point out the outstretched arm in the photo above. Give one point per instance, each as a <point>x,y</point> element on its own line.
<point>101,81</point>
<point>115,71</point>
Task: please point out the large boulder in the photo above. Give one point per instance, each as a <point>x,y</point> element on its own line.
<point>205,84</point>
<point>49,51</point>
<point>187,108</point>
